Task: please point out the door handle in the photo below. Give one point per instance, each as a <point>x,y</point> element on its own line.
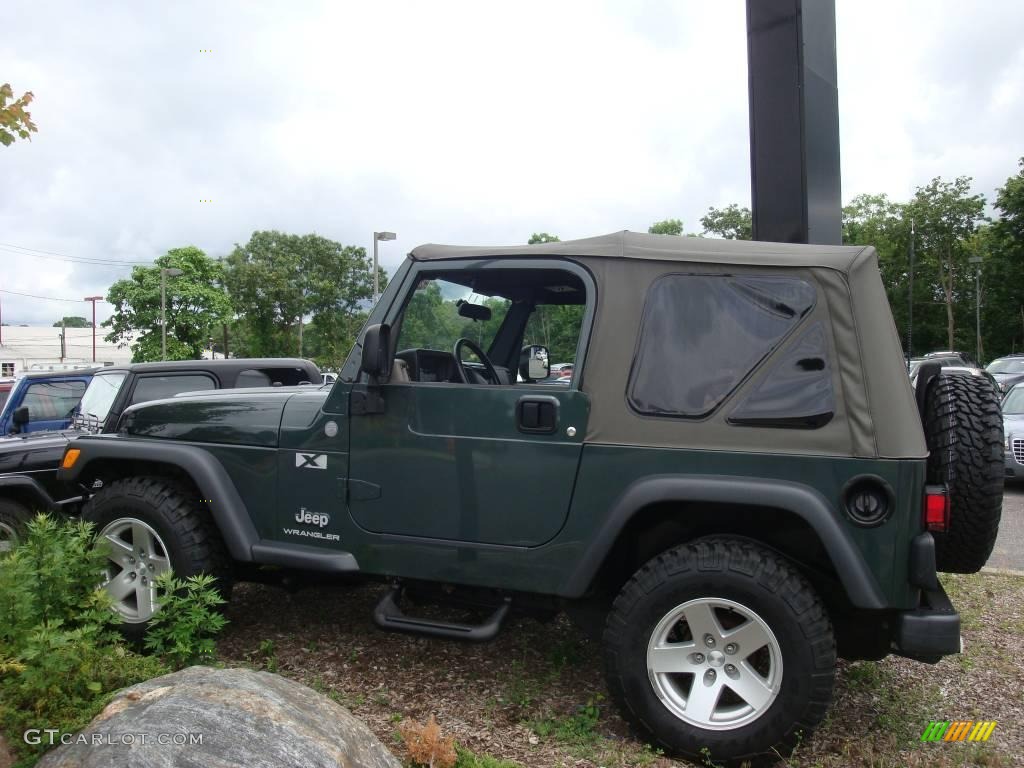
<point>537,414</point>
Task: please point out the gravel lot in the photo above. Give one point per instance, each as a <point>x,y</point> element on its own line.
<point>535,696</point>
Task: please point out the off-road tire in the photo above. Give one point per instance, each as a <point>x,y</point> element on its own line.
<point>963,428</point>
<point>13,519</point>
<point>757,578</point>
<point>173,510</point>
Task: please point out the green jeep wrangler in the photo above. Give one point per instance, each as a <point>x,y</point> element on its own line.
<point>737,478</point>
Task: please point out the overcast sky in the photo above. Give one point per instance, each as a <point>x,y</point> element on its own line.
<point>455,122</point>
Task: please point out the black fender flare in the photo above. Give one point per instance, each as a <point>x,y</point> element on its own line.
<point>226,506</point>
<point>854,574</point>
<point>26,487</point>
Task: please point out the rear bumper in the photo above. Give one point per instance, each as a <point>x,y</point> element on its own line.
<point>930,631</point>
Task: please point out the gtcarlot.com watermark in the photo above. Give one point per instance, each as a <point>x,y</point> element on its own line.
<point>52,737</point>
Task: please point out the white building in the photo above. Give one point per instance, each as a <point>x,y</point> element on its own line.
<point>37,347</point>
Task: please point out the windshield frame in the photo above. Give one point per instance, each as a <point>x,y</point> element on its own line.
<point>85,417</point>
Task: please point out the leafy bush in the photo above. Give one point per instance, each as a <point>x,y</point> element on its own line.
<point>183,630</point>
<point>60,655</point>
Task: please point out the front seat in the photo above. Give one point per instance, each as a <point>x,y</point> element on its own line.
<point>400,372</point>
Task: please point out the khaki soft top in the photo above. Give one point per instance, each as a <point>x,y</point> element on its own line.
<point>876,414</point>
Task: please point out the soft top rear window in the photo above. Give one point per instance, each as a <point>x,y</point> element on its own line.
<point>701,335</point>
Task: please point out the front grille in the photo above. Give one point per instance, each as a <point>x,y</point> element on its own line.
<point>1018,451</point>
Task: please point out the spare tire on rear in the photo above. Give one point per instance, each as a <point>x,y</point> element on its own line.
<point>963,426</point>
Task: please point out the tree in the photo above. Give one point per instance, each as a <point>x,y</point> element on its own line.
<point>731,222</point>
<point>73,322</point>
<point>276,280</point>
<point>195,304</point>
<point>946,216</point>
<point>542,237</point>
<point>666,227</point>
<point>15,119</point>
<point>1002,247</point>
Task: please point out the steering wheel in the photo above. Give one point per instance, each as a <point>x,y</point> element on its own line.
<point>490,374</point>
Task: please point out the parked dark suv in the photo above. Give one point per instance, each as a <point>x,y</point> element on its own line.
<point>28,463</point>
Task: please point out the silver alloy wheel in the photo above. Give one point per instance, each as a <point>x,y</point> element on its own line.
<point>714,663</point>
<point>137,556</point>
<point>9,538</point>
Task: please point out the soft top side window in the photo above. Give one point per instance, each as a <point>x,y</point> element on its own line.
<point>701,335</point>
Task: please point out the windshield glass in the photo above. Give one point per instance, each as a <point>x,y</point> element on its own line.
<point>1008,365</point>
<point>98,398</point>
<point>1014,402</point>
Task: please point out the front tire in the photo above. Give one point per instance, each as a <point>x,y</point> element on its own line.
<point>720,649</point>
<point>14,518</point>
<point>152,525</point>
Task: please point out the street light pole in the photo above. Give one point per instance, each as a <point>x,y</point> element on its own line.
<point>976,260</point>
<point>910,300</point>
<point>377,236</point>
<point>93,299</point>
<point>163,307</point>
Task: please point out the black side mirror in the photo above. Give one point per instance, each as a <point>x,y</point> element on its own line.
<point>376,350</point>
<point>534,363</point>
<point>20,418</point>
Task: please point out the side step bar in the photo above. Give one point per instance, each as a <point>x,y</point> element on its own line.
<point>387,615</point>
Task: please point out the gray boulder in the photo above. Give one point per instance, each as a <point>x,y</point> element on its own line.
<point>222,718</point>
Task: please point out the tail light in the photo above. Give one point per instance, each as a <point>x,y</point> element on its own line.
<point>936,508</point>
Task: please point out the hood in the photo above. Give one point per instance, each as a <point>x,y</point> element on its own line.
<point>1013,424</point>
<point>236,417</point>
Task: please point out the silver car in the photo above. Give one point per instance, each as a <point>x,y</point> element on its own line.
<point>1013,428</point>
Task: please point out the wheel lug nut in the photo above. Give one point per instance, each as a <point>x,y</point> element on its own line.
<point>730,669</point>
<point>698,658</point>
<point>731,648</point>
<point>131,559</point>
<point>709,677</point>
<point>132,575</point>
<point>709,641</point>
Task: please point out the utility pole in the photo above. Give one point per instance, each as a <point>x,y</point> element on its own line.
<point>976,260</point>
<point>300,335</point>
<point>93,299</point>
<point>63,347</point>
<point>910,300</point>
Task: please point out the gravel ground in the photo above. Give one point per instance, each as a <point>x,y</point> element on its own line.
<point>535,696</point>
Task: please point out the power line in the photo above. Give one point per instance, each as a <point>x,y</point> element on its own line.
<point>21,250</point>
<point>44,298</point>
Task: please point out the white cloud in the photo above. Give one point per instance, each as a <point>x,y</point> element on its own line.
<point>448,121</point>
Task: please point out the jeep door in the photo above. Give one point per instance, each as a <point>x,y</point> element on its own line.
<point>476,461</point>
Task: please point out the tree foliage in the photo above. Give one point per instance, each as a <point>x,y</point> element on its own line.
<point>195,305</point>
<point>543,237</point>
<point>731,222</point>
<point>946,217</point>
<point>69,321</point>
<point>666,227</point>
<point>15,119</point>
<point>276,280</point>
